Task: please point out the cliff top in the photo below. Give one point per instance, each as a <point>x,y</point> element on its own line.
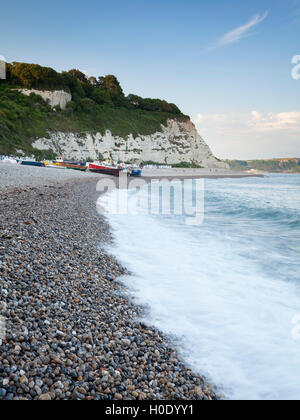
<point>98,104</point>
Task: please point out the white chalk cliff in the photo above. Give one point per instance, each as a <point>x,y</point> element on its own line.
<point>175,143</point>
<point>54,98</point>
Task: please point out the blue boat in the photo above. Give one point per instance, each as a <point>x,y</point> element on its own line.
<point>136,172</point>
<point>29,163</point>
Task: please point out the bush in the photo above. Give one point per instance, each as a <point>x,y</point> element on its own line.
<point>86,105</point>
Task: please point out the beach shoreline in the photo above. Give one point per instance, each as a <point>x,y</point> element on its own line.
<point>189,173</point>
<point>18,176</point>
<point>71,332</point>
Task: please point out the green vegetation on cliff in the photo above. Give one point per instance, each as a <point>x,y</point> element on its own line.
<point>267,165</point>
<point>97,105</point>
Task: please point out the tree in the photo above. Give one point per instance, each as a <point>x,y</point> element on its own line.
<point>93,81</point>
<point>34,76</point>
<point>87,105</point>
<point>102,96</point>
<point>81,77</point>
<point>110,82</point>
<point>69,80</point>
<point>135,101</point>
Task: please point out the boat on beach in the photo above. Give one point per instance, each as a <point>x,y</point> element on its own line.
<point>78,166</point>
<point>105,169</point>
<point>136,171</point>
<point>32,163</point>
<point>108,167</point>
<point>53,165</point>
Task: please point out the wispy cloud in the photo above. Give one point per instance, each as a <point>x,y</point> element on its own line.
<point>253,135</point>
<point>242,31</point>
<point>255,121</point>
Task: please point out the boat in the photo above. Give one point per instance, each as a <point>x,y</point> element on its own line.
<point>136,171</point>
<point>53,165</point>
<point>32,163</point>
<point>103,168</point>
<point>78,166</point>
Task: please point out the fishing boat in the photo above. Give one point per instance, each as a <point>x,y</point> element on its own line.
<point>32,163</point>
<point>78,166</point>
<point>53,165</point>
<point>136,171</point>
<point>103,168</point>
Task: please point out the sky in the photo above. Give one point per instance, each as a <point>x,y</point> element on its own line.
<point>229,64</point>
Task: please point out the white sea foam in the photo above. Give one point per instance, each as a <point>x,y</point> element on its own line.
<point>228,289</point>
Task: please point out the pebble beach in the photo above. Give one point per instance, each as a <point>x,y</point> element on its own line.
<point>69,330</point>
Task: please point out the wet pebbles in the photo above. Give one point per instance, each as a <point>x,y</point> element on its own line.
<point>70,331</point>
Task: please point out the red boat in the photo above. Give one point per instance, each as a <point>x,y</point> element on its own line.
<point>104,169</point>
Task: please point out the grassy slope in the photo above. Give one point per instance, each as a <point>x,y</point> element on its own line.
<point>268,165</point>
<point>23,119</point>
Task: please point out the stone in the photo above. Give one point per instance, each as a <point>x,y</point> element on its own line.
<point>198,390</point>
<point>126,342</point>
<point>23,380</point>
<point>45,397</point>
<point>38,390</point>
<point>2,392</point>
<point>3,306</point>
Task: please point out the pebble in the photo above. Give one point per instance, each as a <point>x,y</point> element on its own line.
<point>45,397</point>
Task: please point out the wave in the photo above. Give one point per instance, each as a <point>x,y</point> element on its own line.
<point>229,288</point>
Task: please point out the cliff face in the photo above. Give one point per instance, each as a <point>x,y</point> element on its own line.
<point>54,98</point>
<point>177,142</point>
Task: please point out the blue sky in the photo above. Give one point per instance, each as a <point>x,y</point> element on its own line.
<point>225,63</point>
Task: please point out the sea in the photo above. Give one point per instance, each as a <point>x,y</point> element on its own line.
<point>226,288</point>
